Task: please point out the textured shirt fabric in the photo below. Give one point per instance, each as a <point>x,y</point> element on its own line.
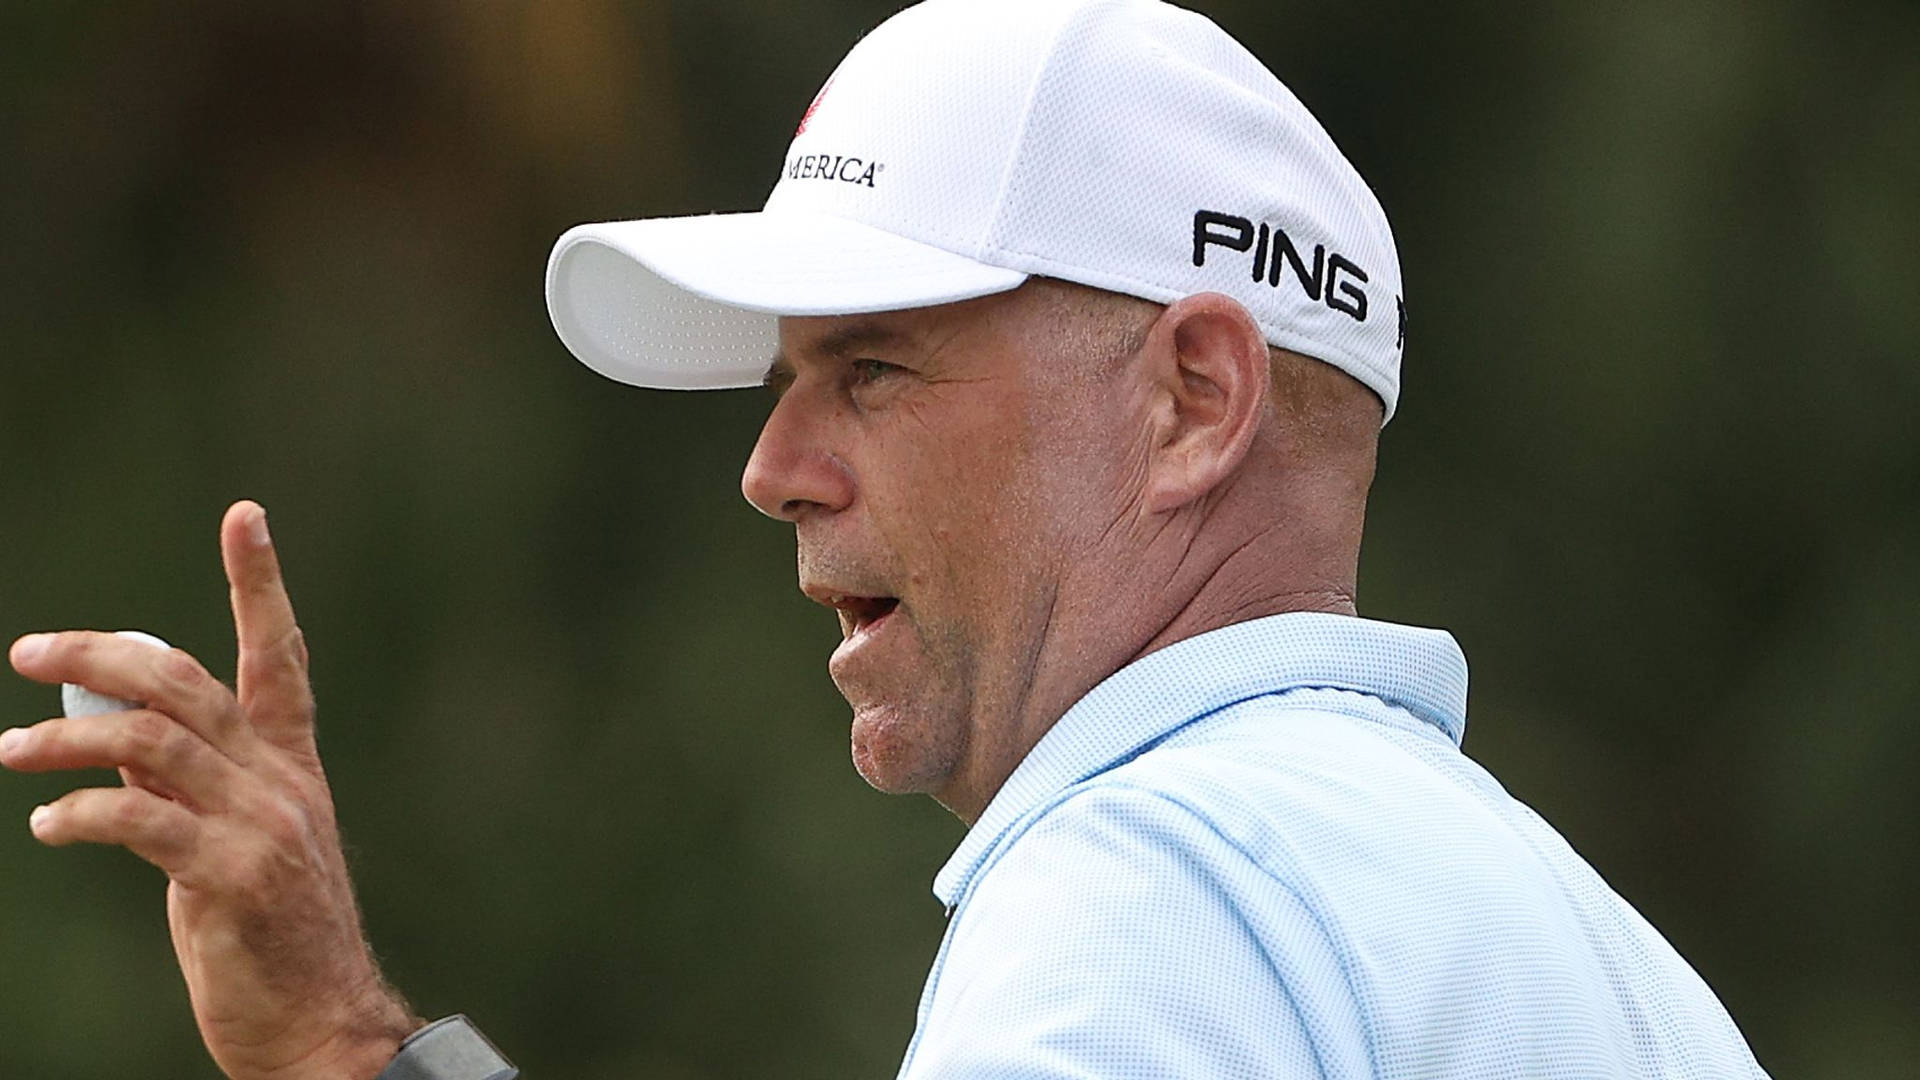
<point>1260,852</point>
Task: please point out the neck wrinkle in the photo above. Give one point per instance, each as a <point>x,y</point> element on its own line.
<point>1241,588</point>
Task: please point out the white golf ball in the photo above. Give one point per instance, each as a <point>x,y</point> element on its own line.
<point>77,700</point>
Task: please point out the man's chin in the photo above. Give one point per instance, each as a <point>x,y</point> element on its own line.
<point>901,750</point>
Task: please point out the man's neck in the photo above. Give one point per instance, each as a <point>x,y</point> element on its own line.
<point>1270,573</point>
<point>1244,588</point>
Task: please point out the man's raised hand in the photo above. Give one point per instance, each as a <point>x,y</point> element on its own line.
<point>223,791</point>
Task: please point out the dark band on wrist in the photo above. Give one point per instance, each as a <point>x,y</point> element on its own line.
<point>449,1049</point>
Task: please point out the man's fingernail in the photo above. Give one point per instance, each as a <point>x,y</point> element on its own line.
<point>259,529</point>
<point>38,819</point>
<point>30,647</point>
<point>12,739</point>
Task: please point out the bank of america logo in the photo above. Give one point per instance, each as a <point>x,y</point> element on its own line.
<point>813,108</point>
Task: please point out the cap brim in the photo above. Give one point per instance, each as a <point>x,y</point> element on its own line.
<point>693,303</point>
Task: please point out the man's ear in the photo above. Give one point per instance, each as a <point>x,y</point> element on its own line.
<point>1207,362</point>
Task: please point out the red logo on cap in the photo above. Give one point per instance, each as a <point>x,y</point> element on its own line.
<point>813,108</point>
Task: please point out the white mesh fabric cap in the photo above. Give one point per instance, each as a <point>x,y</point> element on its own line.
<point>964,145</point>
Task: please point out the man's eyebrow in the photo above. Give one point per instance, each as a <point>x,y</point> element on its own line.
<point>840,343</point>
<point>856,336</point>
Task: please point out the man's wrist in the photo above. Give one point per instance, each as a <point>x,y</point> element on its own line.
<point>366,1046</point>
<point>368,1059</point>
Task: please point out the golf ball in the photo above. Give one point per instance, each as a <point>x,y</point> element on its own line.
<point>77,700</point>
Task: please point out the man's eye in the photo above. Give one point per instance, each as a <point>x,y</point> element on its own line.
<point>866,370</point>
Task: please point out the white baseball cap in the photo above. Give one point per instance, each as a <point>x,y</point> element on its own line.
<point>965,145</point>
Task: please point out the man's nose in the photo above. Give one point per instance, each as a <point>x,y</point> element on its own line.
<point>793,472</point>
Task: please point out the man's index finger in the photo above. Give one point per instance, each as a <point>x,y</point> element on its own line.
<point>272,654</point>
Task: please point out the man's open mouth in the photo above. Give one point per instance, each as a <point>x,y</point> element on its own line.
<point>858,613</point>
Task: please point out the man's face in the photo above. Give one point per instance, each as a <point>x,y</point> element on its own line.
<point>943,469</point>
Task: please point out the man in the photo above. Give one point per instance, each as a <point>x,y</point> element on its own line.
<point>1083,332</point>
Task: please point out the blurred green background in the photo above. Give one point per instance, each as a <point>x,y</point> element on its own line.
<point>1656,466</point>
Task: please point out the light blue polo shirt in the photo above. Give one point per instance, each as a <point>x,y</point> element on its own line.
<point>1260,852</point>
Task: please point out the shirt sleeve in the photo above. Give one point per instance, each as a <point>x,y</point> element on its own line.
<point>1112,939</point>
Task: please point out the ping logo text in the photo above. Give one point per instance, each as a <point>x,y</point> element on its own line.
<point>1330,278</point>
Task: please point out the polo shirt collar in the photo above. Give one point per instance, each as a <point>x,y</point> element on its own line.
<point>1420,670</point>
